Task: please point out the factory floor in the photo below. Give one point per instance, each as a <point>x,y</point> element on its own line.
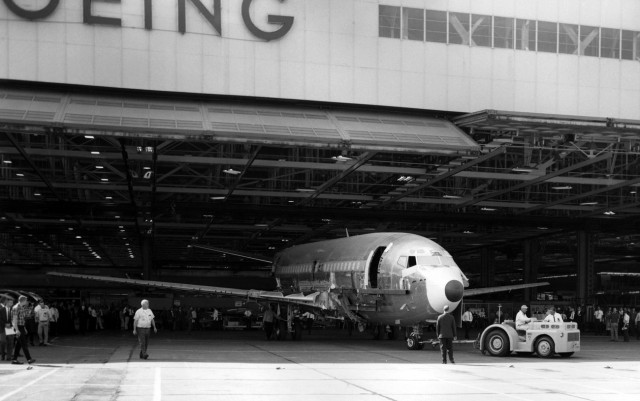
<point>326,365</point>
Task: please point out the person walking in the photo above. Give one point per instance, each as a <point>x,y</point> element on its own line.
<point>625,325</point>
<point>142,323</point>
<point>446,331</point>
<point>19,315</point>
<point>467,319</point>
<point>267,321</point>
<point>43,315</point>
<point>6,327</point>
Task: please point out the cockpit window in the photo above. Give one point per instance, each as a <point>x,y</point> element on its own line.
<point>412,261</point>
<point>435,260</point>
<point>402,261</point>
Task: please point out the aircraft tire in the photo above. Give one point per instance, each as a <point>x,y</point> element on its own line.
<point>497,343</point>
<point>413,342</point>
<point>565,354</point>
<point>544,347</point>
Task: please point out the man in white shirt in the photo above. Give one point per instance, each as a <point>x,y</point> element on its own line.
<point>142,323</point>
<point>552,316</point>
<point>467,318</point>
<point>522,320</point>
<point>53,320</point>
<point>599,316</point>
<point>42,318</point>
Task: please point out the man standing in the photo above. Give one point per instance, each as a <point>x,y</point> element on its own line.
<point>553,316</point>
<point>267,321</point>
<point>599,316</point>
<point>615,318</point>
<point>446,331</point>
<point>19,314</point>
<point>522,320</point>
<point>142,322</point>
<point>467,318</point>
<point>6,339</point>
<point>42,314</point>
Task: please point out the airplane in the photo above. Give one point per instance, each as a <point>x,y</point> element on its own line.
<point>380,279</point>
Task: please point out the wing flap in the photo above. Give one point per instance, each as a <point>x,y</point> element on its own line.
<point>490,290</point>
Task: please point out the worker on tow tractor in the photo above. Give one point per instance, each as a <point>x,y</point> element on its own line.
<point>522,321</point>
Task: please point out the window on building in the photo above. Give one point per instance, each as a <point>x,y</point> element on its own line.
<point>436,26</point>
<point>481,30</point>
<point>412,23</point>
<point>630,45</point>
<point>589,41</point>
<point>526,35</point>
<point>459,28</point>
<point>610,43</point>
<point>568,39</point>
<point>503,34</point>
<point>547,37</point>
<point>389,22</point>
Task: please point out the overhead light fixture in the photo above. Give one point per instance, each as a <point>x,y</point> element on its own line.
<point>407,178</point>
<point>588,203</point>
<point>543,228</point>
<point>633,192</point>
<point>261,225</point>
<point>451,197</point>
<point>7,161</point>
<point>217,197</point>
<point>37,194</point>
<point>467,232</point>
<point>231,171</point>
<point>341,159</point>
<point>488,209</point>
<point>305,190</point>
<point>104,179</point>
<point>89,136</point>
<point>20,174</point>
<point>108,197</point>
<point>146,168</point>
<point>99,167</point>
<point>117,217</point>
<point>564,187</point>
<point>78,237</point>
<point>95,152</point>
<point>522,170</point>
<point>609,213</point>
<point>70,228</point>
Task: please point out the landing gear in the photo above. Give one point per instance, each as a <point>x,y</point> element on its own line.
<point>414,339</point>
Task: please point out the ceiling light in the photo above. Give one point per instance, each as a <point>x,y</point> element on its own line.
<point>78,237</point>
<point>588,203</point>
<point>451,197</point>
<point>62,219</point>
<point>89,136</point>
<point>543,228</point>
<point>522,170</point>
<point>217,197</point>
<point>467,232</point>
<point>610,213</point>
<point>37,194</point>
<point>117,217</point>
<point>340,158</point>
<point>231,171</point>
<point>305,190</point>
<point>291,201</point>
<point>7,161</point>
<point>488,209</point>
<point>108,197</point>
<point>104,179</point>
<point>70,228</point>
<point>127,244</point>
<point>20,174</point>
<point>405,178</point>
<point>99,167</point>
<point>261,225</point>
<point>95,152</point>
<point>146,168</point>
<point>564,187</point>
<point>632,192</point>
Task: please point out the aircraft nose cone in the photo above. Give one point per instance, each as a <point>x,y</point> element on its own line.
<point>453,290</point>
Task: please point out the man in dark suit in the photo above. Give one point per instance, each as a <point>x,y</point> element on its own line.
<point>446,330</point>
<point>6,342</point>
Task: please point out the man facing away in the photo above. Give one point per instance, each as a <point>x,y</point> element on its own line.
<point>43,315</point>
<point>446,331</point>
<point>142,323</point>
<point>19,314</point>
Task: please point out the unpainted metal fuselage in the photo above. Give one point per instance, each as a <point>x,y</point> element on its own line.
<point>385,278</point>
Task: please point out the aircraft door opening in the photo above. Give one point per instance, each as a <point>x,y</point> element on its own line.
<point>374,266</point>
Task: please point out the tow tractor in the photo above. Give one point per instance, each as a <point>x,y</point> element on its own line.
<point>543,338</point>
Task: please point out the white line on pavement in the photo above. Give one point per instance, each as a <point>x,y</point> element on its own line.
<point>31,383</point>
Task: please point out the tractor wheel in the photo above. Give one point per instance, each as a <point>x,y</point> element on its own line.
<point>497,343</point>
<point>544,347</point>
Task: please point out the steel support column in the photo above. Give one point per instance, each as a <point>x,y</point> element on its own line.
<point>585,264</point>
<point>147,258</point>
<point>531,257</point>
<point>487,267</point>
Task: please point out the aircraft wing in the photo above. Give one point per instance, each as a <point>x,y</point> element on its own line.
<point>489,290</point>
<point>298,299</point>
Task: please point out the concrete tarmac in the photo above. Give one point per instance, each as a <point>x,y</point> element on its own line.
<point>326,365</point>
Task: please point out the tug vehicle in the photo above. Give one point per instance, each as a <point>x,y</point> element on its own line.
<point>542,338</point>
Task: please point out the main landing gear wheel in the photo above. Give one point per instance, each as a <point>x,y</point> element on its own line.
<point>413,342</point>
<point>544,347</point>
<point>497,343</point>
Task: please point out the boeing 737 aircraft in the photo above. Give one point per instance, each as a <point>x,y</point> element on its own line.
<point>394,279</point>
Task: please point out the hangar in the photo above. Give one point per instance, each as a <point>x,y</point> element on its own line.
<point>506,132</point>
